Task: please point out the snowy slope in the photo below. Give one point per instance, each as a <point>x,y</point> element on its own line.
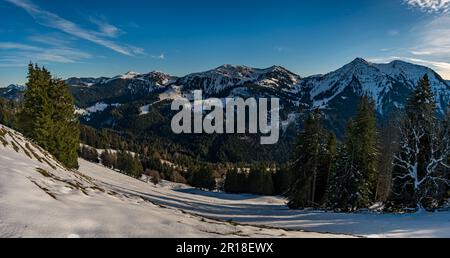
<point>85,82</point>
<point>272,211</point>
<point>389,85</point>
<point>12,92</point>
<point>227,77</point>
<point>366,79</point>
<point>39,198</point>
<point>410,75</point>
<point>98,202</point>
<point>155,79</point>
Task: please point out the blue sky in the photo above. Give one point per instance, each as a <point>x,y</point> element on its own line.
<point>106,38</point>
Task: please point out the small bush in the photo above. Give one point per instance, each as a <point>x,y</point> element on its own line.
<point>155,177</point>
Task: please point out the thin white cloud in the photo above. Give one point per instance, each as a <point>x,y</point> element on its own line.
<point>106,29</point>
<point>18,54</point>
<point>431,44</point>
<point>434,38</point>
<point>430,5</point>
<point>442,68</point>
<point>393,33</point>
<point>162,56</point>
<point>48,19</point>
<point>17,46</point>
<point>282,49</point>
<point>53,39</point>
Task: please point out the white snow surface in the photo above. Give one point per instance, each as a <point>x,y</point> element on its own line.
<point>98,202</point>
<point>60,203</point>
<point>229,76</point>
<point>375,80</point>
<point>272,211</point>
<point>98,107</point>
<point>144,109</point>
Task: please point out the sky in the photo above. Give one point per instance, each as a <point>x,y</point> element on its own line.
<point>93,38</point>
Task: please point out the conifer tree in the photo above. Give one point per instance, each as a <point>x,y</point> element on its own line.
<point>35,119</point>
<point>48,116</point>
<point>8,113</point>
<point>353,182</point>
<point>232,184</point>
<point>260,181</point>
<point>342,182</point>
<point>129,164</point>
<point>89,154</point>
<point>268,187</point>
<point>420,174</point>
<point>282,180</point>
<point>325,168</point>
<point>108,159</point>
<point>306,169</point>
<point>203,178</point>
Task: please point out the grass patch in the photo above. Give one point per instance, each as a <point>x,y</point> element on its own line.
<point>45,190</point>
<point>96,188</point>
<point>44,172</point>
<point>18,144</point>
<point>3,141</point>
<point>27,145</point>
<point>2,132</point>
<point>72,185</point>
<point>48,163</point>
<point>15,147</point>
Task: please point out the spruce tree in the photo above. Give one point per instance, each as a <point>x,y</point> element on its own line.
<point>353,183</point>
<point>231,184</point>
<point>260,181</point>
<point>203,178</point>
<point>326,167</point>
<point>89,154</point>
<point>282,180</point>
<point>306,168</point>
<point>342,184</point>
<point>268,187</point>
<point>108,159</point>
<point>129,164</point>
<point>35,119</point>
<point>420,167</point>
<point>48,116</point>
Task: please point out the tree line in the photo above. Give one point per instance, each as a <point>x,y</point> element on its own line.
<point>352,175</point>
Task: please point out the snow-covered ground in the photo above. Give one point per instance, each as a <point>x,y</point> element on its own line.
<point>272,211</point>
<point>38,198</point>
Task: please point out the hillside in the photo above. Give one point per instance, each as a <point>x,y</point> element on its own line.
<point>273,212</point>
<point>39,198</point>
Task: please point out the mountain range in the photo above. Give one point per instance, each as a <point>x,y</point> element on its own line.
<point>141,102</point>
<point>336,93</point>
<point>386,84</point>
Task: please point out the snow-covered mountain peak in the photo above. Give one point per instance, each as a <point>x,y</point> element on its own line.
<point>16,87</point>
<point>233,71</point>
<point>12,92</point>
<point>130,75</point>
<point>408,73</point>
<point>387,84</point>
<point>360,61</point>
<point>359,65</point>
<point>232,76</point>
<point>159,78</point>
